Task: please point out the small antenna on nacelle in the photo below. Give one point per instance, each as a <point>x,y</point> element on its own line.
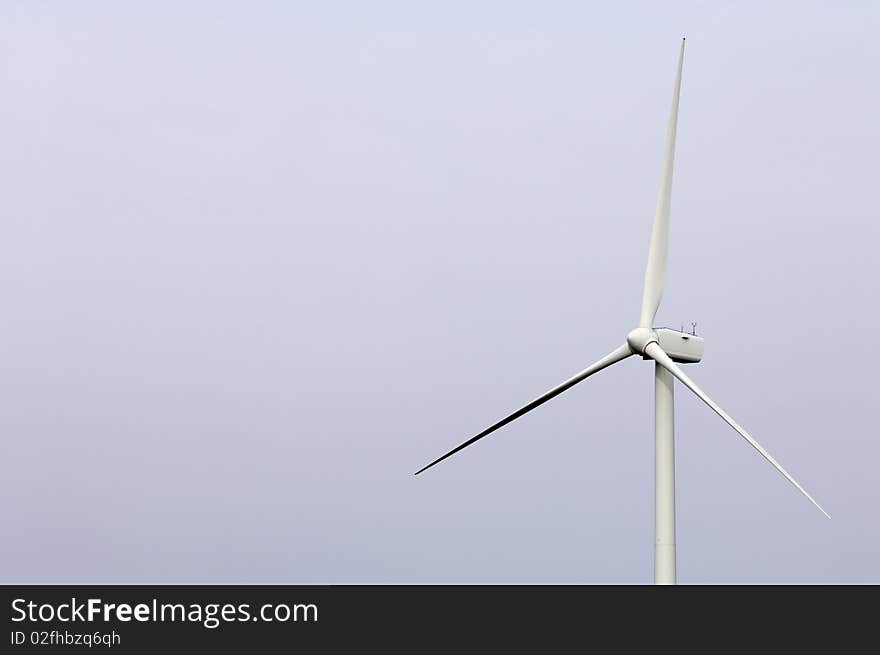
<point>694,329</point>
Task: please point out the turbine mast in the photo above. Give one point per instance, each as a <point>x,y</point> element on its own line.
<point>664,477</point>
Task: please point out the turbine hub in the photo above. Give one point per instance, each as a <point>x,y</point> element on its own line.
<point>639,339</point>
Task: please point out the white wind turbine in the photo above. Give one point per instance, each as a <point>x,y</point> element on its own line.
<point>665,347</point>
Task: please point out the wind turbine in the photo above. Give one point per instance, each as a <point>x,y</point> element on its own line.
<point>667,348</point>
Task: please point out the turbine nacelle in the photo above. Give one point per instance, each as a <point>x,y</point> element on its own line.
<point>681,347</point>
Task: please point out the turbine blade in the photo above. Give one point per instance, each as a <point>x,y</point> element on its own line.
<point>621,353</point>
<point>655,272</point>
<point>654,351</point>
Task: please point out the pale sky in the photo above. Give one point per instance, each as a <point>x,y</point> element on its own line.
<point>262,261</point>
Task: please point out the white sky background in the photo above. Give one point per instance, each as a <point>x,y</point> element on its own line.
<point>259,262</point>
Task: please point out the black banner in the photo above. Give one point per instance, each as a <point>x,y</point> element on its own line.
<point>183,618</point>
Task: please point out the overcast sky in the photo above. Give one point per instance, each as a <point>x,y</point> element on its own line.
<point>261,261</point>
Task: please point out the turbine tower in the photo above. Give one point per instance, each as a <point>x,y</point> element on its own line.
<point>667,349</point>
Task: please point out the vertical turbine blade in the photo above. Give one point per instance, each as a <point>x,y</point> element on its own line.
<point>612,358</point>
<point>655,352</point>
<point>655,273</point>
